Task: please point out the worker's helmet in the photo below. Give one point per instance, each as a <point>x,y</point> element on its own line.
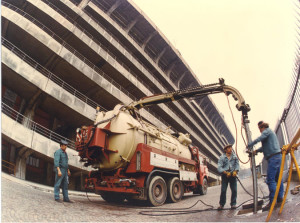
<point>227,146</point>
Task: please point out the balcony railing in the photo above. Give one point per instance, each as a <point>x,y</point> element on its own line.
<point>31,125</point>
<point>8,167</point>
<point>70,48</point>
<point>48,74</point>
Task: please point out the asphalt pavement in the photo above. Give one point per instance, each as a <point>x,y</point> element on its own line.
<point>25,201</point>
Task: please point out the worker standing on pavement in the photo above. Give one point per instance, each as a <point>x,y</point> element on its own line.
<point>228,166</point>
<point>62,172</point>
<point>272,153</point>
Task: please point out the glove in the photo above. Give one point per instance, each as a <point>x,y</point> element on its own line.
<point>234,173</point>
<point>254,152</point>
<point>228,174</point>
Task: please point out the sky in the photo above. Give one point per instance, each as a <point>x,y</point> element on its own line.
<point>249,43</point>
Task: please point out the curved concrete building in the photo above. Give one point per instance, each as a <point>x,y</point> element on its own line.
<point>62,59</point>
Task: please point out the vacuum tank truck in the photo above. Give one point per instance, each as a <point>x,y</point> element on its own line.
<point>134,159</point>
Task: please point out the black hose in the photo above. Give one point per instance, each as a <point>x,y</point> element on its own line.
<point>248,192</point>
<point>243,187</point>
<point>184,210</point>
<point>180,211</point>
<point>106,120</point>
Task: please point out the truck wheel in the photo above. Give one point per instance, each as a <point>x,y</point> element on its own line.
<point>203,187</point>
<point>175,190</point>
<point>157,191</point>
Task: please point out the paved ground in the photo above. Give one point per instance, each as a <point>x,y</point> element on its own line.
<point>23,201</point>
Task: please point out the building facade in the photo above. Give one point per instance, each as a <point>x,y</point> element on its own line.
<point>61,59</point>
<point>288,124</point>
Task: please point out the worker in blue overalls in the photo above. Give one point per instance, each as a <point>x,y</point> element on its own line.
<point>62,172</point>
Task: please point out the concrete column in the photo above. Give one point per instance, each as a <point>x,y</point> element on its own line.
<point>82,181</point>
<point>148,39</point>
<point>30,108</point>
<point>72,182</point>
<point>21,162</point>
<point>132,24</point>
<point>29,116</point>
<point>114,7</point>
<point>83,4</point>
<point>4,27</point>
<point>81,175</point>
<point>161,54</point>
<point>12,154</point>
<point>180,78</point>
<point>50,173</point>
<point>170,67</point>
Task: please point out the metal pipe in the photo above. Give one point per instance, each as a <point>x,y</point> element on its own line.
<point>253,165</point>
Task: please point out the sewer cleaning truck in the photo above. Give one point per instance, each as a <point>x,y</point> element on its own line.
<point>133,159</point>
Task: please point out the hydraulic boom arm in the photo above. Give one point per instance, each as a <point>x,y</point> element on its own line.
<point>192,92</point>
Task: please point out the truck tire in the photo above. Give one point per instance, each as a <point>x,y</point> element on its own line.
<point>157,192</point>
<point>175,190</point>
<point>203,187</point>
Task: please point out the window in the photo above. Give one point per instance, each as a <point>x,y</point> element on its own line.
<point>32,161</point>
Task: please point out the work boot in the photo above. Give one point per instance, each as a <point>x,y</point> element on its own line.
<point>233,207</point>
<point>220,208</point>
<point>279,202</point>
<point>267,207</point>
<point>69,201</point>
<point>58,200</point>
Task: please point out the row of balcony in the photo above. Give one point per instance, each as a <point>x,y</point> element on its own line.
<point>114,41</point>
<point>64,44</point>
<point>53,77</point>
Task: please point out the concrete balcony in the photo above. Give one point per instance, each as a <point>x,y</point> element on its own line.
<point>17,64</point>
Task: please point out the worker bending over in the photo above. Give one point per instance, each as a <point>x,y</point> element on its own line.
<point>272,153</point>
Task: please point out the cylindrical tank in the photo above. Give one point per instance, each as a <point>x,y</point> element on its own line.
<point>126,132</point>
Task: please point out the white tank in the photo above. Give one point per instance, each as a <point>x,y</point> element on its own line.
<point>126,133</point>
